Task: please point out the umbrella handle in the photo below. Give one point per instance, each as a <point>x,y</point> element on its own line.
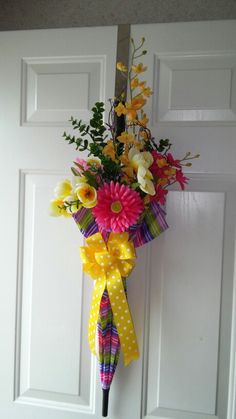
<point>105,402</point>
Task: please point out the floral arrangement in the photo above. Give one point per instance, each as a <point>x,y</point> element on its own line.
<point>117,196</point>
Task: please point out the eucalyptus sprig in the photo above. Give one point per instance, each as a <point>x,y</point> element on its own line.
<point>94,132</point>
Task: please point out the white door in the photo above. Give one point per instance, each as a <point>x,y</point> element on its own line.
<point>189,342</point>
<point>182,290</point>
<point>46,76</point>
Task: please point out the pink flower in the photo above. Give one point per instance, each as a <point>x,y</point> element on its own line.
<point>181,179</point>
<point>118,207</point>
<point>159,165</point>
<point>83,164</point>
<point>160,195</point>
<point>172,161</point>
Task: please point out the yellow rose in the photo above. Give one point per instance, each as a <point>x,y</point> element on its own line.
<point>87,195</point>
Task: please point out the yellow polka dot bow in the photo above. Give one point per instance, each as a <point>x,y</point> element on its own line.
<point>107,263</point>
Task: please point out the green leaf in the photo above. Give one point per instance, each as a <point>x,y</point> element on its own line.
<point>78,165</point>
<point>75,172</point>
<point>90,178</point>
<point>135,185</point>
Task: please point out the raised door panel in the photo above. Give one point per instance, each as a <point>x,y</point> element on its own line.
<point>55,88</point>
<point>189,344</point>
<point>191,290</point>
<point>53,363</point>
<point>46,76</point>
<point>195,88</point>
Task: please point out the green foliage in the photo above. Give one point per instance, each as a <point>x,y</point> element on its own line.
<point>95,149</point>
<point>92,181</point>
<point>97,123</point>
<point>135,185</point>
<point>111,169</point>
<point>92,138</point>
<point>164,145</point>
<point>94,131</point>
<point>75,171</point>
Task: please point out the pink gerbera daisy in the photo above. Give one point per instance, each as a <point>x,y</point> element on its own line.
<point>118,207</point>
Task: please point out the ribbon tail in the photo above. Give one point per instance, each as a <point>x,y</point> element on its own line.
<point>123,320</point>
<point>99,287</point>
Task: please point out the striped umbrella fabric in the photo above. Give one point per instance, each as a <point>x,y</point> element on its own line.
<point>151,226</point>
<point>108,348</point>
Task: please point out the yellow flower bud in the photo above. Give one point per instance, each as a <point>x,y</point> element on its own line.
<point>139,68</point>
<point>56,210</point>
<point>121,67</point>
<point>63,189</point>
<point>109,150</point>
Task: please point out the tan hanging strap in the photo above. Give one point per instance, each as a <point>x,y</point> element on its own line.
<point>122,54</point>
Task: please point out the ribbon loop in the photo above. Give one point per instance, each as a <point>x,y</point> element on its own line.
<point>107,264</point>
<point>104,259</point>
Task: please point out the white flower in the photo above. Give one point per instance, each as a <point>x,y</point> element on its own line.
<point>139,158</point>
<point>145,177</point>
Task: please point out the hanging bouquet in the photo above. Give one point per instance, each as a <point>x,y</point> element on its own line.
<point>117,197</point>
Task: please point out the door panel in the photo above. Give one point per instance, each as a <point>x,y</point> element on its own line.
<point>182,291</point>
<point>190,301</point>
<point>46,76</point>
<point>190,323</point>
<point>189,351</point>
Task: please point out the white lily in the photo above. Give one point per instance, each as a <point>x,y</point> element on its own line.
<point>139,158</point>
<point>145,178</point>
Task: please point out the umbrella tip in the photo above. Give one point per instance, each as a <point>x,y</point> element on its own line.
<point>105,402</point>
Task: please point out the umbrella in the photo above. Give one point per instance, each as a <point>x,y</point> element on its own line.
<point>108,348</point>
<point>108,342</point>
<point>107,339</point>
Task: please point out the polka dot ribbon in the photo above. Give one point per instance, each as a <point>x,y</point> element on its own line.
<point>107,263</point>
